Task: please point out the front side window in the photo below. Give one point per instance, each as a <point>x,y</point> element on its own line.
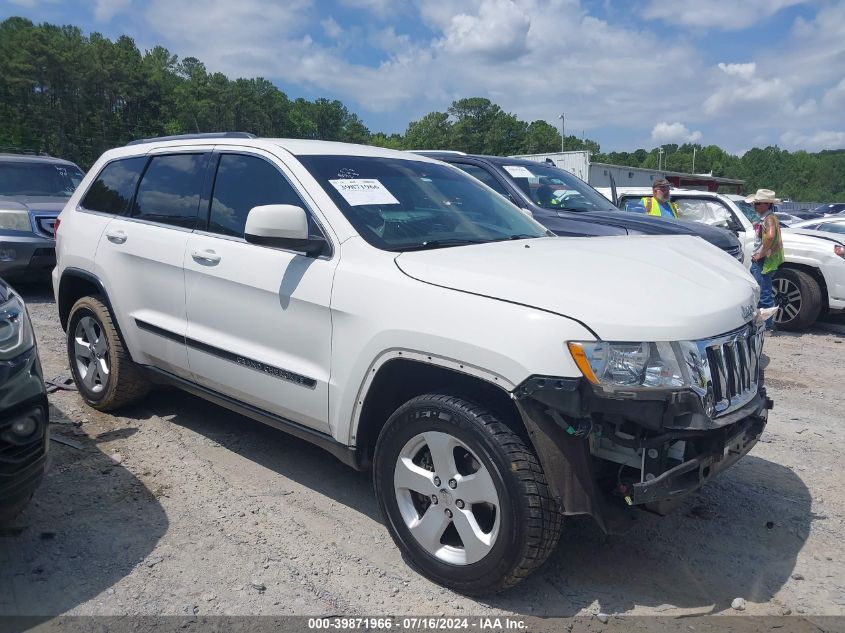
<point>30,178</point>
<point>484,176</point>
<point>747,210</point>
<point>397,204</point>
<point>113,189</point>
<point>244,182</point>
<point>554,188</point>
<point>170,189</point>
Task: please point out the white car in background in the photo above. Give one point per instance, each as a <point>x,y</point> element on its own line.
<point>812,279</point>
<point>832,226</point>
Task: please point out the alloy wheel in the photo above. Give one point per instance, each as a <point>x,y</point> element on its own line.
<point>91,354</point>
<point>447,498</point>
<point>787,299</point>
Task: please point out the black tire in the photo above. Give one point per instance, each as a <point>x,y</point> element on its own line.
<point>529,518</point>
<point>124,382</point>
<point>798,297</point>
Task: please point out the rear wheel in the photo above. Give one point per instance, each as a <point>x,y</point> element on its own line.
<point>465,499</point>
<point>102,370</point>
<point>798,298</point>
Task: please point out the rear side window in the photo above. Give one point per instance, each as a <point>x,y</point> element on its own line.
<point>833,227</point>
<point>244,182</point>
<point>169,192</point>
<point>113,189</point>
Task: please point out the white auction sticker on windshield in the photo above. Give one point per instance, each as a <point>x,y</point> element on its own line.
<point>518,171</point>
<point>360,191</point>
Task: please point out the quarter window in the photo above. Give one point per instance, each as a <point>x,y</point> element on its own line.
<point>113,189</point>
<point>170,189</point>
<point>244,182</point>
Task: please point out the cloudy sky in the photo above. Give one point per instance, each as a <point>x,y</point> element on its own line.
<point>737,73</point>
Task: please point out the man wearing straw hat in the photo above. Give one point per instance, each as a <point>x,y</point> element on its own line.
<point>769,254</point>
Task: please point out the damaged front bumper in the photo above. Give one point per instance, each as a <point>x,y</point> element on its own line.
<point>603,455</point>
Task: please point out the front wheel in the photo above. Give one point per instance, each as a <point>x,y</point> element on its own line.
<point>798,298</point>
<point>106,377</point>
<point>465,499</point>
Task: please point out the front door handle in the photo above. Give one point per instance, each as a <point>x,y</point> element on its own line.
<point>116,236</point>
<point>205,257</point>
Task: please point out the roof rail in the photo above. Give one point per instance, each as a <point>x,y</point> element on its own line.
<point>23,151</point>
<point>437,151</point>
<point>186,137</point>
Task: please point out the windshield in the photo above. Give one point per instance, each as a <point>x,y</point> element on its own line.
<point>400,205</point>
<point>553,188</point>
<point>747,210</point>
<point>27,178</point>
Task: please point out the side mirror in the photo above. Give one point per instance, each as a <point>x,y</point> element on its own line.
<point>282,226</point>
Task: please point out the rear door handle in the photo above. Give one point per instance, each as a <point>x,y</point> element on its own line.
<point>205,257</point>
<point>116,236</point>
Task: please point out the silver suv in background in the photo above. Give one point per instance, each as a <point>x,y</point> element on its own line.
<point>33,190</point>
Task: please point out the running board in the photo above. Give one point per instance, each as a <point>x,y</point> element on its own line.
<point>346,454</point>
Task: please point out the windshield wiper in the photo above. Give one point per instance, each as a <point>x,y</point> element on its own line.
<point>442,243</point>
<point>515,236</point>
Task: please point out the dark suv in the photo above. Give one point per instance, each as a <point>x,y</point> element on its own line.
<point>23,407</point>
<point>567,205</point>
<point>33,190</point>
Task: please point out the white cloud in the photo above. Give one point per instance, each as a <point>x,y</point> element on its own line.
<point>535,58</point>
<point>738,88</point>
<point>247,38</point>
<point>834,99</point>
<point>814,141</point>
<point>663,133</point>
<point>389,41</point>
<point>105,10</point>
<point>808,108</point>
<point>498,31</point>
<point>743,71</point>
<point>331,27</point>
<point>727,15</point>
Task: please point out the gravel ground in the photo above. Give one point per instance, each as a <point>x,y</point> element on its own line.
<point>179,507</point>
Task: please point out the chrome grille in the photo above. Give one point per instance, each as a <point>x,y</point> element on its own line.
<point>733,361</point>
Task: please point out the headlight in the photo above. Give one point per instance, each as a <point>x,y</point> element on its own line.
<point>631,366</point>
<point>15,329</point>
<point>14,220</point>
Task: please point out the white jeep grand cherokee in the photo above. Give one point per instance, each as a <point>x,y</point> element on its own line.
<point>408,319</point>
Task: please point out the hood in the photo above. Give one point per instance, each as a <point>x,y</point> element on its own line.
<point>793,235</point>
<point>653,225</point>
<point>635,288</point>
<point>43,205</point>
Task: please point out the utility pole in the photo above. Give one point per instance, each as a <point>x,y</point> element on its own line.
<point>560,116</point>
<point>693,159</point>
<point>659,158</point>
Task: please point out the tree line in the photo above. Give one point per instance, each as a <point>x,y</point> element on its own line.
<point>75,95</point>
